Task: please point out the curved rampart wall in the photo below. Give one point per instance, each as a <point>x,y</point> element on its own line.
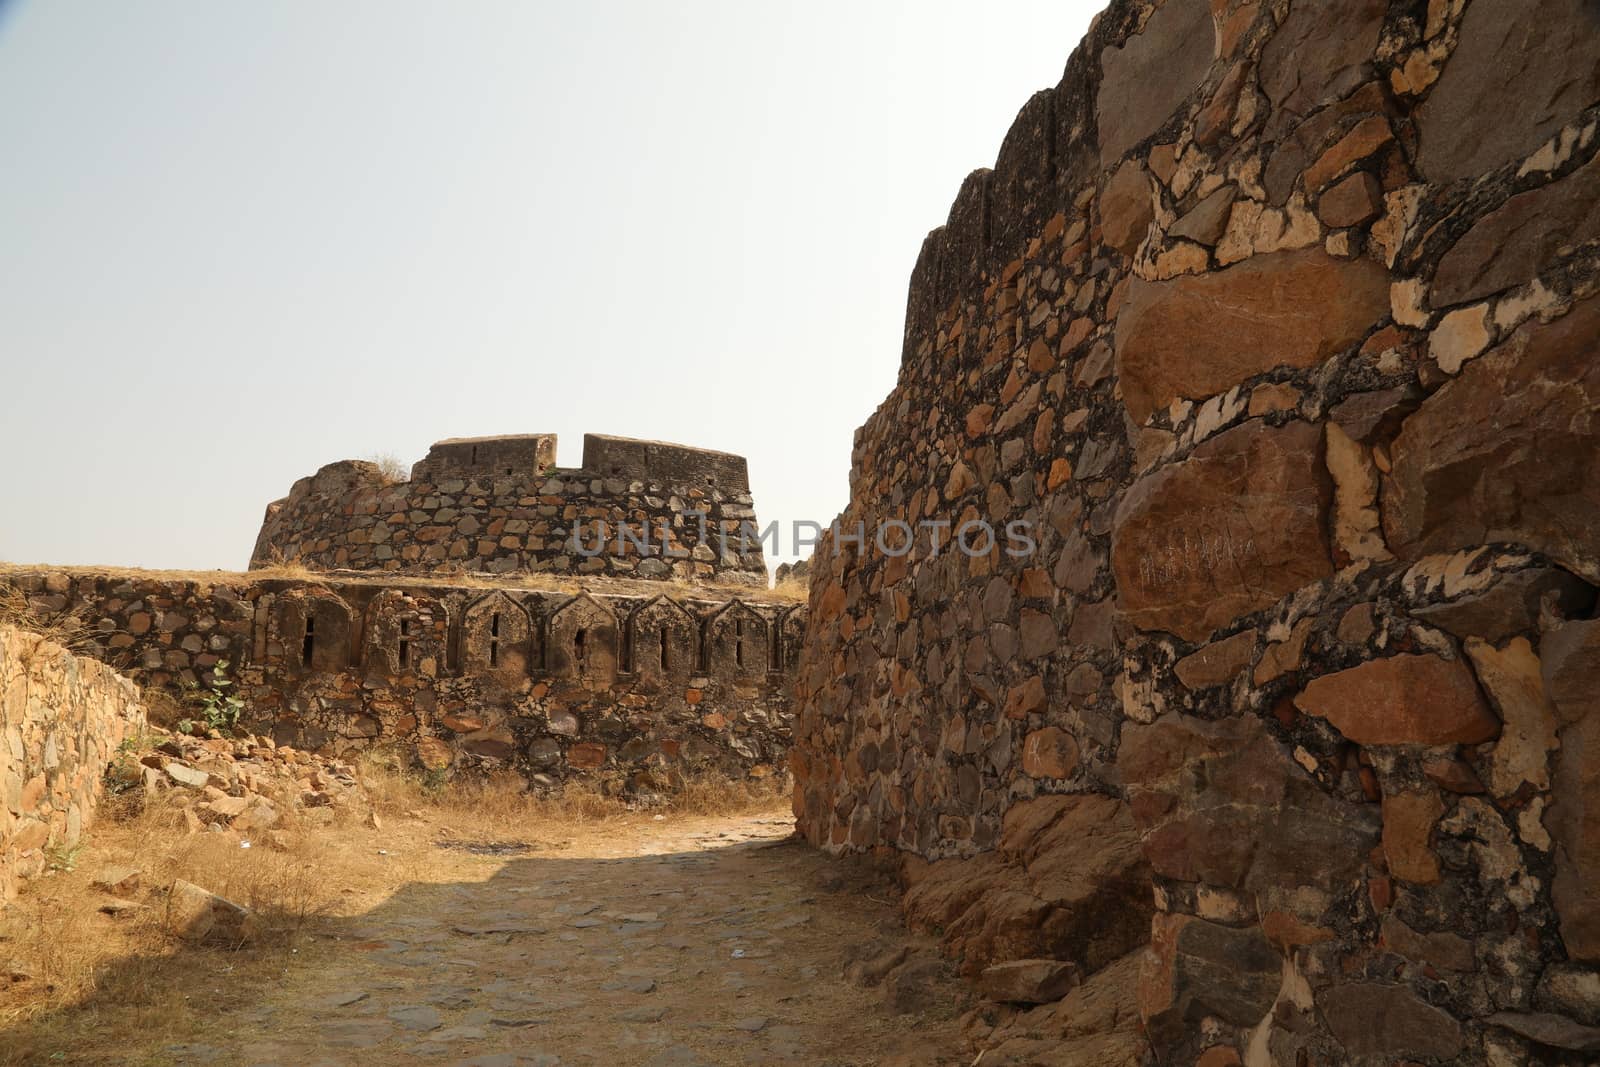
<point>636,509</point>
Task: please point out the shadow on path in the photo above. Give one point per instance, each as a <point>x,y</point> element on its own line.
<point>712,947</point>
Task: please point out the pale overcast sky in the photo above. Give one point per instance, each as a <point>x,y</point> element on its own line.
<point>244,238</point>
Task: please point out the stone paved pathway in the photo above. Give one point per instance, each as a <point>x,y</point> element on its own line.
<point>705,942</point>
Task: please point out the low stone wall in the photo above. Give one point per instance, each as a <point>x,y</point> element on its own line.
<point>638,690</point>
<point>636,509</point>
<point>62,718</point>
<point>1276,322</point>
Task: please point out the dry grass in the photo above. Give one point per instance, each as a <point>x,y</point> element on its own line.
<point>293,570</point>
<point>505,800</point>
<point>64,628</point>
<point>275,566</point>
<point>560,583</point>
<point>106,988</point>
<point>797,589</point>
<point>164,709</point>
<point>89,974</point>
<point>390,468</point>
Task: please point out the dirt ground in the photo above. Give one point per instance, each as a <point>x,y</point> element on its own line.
<point>658,940</point>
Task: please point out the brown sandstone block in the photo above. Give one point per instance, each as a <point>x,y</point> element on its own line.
<point>1198,335</point>
<point>1151,73</point>
<point>1524,236</point>
<point>1408,821</point>
<point>1403,700</point>
<point>1229,531</point>
<point>1126,208</point>
<point>1208,220</point>
<point>1217,663</point>
<point>196,914</point>
<point>1197,968</point>
<point>1025,698</point>
<point>1521,70</point>
<point>1355,201</point>
<point>1365,138</point>
<point>587,755</point>
<point>1508,451</point>
<point>1049,753</point>
<point>1571,673</point>
<point>1028,981</point>
<point>1320,52</point>
<point>1373,1019</point>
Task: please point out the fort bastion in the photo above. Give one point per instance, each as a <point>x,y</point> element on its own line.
<point>454,615</point>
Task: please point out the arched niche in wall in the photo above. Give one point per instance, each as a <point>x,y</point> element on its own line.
<point>497,639</point>
<point>309,630</point>
<point>406,634</point>
<point>663,641</point>
<point>738,644</point>
<point>583,642</point>
<point>791,638</point>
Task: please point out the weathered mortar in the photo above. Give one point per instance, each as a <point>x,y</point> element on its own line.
<point>1277,321</point>
<point>62,718</point>
<point>638,509</point>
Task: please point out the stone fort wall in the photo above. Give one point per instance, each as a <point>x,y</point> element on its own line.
<point>639,509</point>
<point>1277,321</point>
<point>62,718</point>
<point>637,690</point>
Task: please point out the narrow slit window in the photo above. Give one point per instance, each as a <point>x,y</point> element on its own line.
<point>308,644</point>
<point>405,642</point>
<point>738,642</point>
<point>494,640</point>
<point>579,652</point>
<point>664,643</point>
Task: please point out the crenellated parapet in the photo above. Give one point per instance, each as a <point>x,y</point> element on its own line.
<point>527,455</point>
<point>499,505</point>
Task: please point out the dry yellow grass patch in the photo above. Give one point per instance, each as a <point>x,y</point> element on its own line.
<point>797,589</point>
<point>98,989</point>
<point>64,628</point>
<point>69,972</point>
<point>504,800</point>
<point>293,570</point>
<point>391,468</point>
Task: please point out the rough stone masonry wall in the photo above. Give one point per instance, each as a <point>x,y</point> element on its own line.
<point>637,691</point>
<point>457,516</point>
<point>1278,320</point>
<point>62,718</point>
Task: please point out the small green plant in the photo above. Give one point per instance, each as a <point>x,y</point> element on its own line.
<point>219,709</point>
<point>122,773</point>
<point>62,856</point>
